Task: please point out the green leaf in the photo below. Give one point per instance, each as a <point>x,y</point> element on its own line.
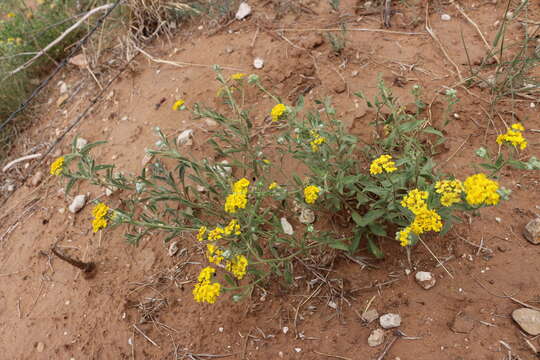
<point>377,229</point>
<point>70,184</point>
<point>369,217</point>
<point>339,246</point>
<point>374,249</point>
<point>431,130</point>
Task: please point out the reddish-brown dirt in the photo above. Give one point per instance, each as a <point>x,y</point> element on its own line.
<point>49,311</point>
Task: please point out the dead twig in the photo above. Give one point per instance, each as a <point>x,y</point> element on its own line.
<point>387,13</point>
<point>389,345</point>
<point>179,63</point>
<point>24,158</point>
<point>435,37</point>
<point>490,50</point>
<point>145,336</point>
<point>332,356</point>
<point>86,267</point>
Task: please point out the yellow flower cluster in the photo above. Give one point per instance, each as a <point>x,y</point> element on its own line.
<point>514,137</point>
<point>238,198</point>
<point>278,111</point>
<point>57,166</point>
<point>403,236</point>
<point>10,15</point>
<point>450,191</point>
<point>383,162</point>
<point>415,200</point>
<point>179,104</point>
<point>480,190</point>
<point>237,266</point>
<point>214,254</point>
<point>311,194</point>
<point>425,219</point>
<point>273,186</point>
<point>99,212</point>
<point>317,140</point>
<point>202,232</point>
<point>238,76</point>
<point>204,290</point>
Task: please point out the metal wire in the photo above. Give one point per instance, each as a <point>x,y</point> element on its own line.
<point>60,66</point>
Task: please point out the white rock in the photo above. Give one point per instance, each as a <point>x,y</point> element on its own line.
<point>425,279</point>
<point>297,349</point>
<point>389,321</point>
<point>307,216</point>
<point>173,248</point>
<point>244,10</point>
<point>81,142</point>
<point>285,329</point>
<point>63,87</point>
<point>10,187</point>
<point>286,226</point>
<point>376,338</point>
<point>77,204</point>
<point>445,17</point>
<point>528,320</point>
<point>108,191</point>
<point>370,315</point>
<point>185,137</point>
<point>211,123</point>
<point>36,179</point>
<point>332,304</point>
<point>532,231</point>
<point>201,188</point>
<point>40,347</point>
<point>258,63</point>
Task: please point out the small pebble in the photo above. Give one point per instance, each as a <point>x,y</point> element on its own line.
<point>425,279</point>
<point>258,63</point>
<point>286,226</point>
<point>376,338</point>
<point>445,17</point>
<point>40,347</point>
<point>77,204</point>
<point>389,321</point>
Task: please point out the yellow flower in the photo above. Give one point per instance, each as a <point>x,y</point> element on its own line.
<point>480,190</point>
<point>204,290</point>
<point>100,210</point>
<point>202,232</point>
<point>10,15</point>
<point>415,200</point>
<point>238,76</point>
<point>215,234</point>
<point>213,254</point>
<point>235,201</point>
<point>238,198</point>
<point>403,236</point>
<point>513,137</point>
<point>206,274</point>
<point>232,228</point>
<point>272,186</point>
<point>278,111</point>
<point>241,185</point>
<point>317,140</point>
<point>311,194</point>
<point>238,266</point>
<point>382,163</point>
<point>98,224</point>
<point>266,161</point>
<point>57,166</point>
<point>450,191</point>
<point>426,220</point>
<point>179,104</point>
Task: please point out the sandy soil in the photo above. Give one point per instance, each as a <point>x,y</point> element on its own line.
<point>49,311</point>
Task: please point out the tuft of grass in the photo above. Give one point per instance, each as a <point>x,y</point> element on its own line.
<point>24,31</point>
